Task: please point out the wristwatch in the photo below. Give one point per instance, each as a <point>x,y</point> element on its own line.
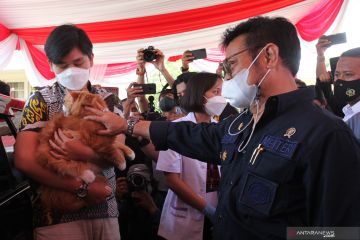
<point>131,124</point>
<point>82,191</point>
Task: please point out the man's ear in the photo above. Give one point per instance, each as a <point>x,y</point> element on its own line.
<point>272,55</point>
<point>51,67</point>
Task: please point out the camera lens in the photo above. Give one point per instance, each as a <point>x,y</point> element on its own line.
<point>138,181</point>
<point>149,54</point>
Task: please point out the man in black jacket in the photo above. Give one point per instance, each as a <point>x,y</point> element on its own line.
<point>284,161</point>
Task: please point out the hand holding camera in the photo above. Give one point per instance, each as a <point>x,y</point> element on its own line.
<point>140,61</point>
<point>329,40</point>
<point>121,188</point>
<point>133,91</point>
<point>154,56</point>
<point>321,46</point>
<point>187,58</point>
<point>144,200</point>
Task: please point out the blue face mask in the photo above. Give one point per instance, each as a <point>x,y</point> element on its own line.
<point>237,90</point>
<point>167,104</point>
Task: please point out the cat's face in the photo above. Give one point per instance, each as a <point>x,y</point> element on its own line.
<point>75,103</point>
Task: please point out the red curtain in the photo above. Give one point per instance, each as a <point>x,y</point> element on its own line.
<point>165,24</point>
<point>4,32</point>
<point>120,68</point>
<point>40,61</point>
<point>318,21</point>
<point>311,27</point>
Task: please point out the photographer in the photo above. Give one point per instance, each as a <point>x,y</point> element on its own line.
<point>139,216</point>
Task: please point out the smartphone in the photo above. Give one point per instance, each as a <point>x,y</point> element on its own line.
<point>336,38</point>
<point>148,88</point>
<point>199,53</point>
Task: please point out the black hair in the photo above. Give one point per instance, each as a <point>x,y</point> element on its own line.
<point>165,92</point>
<point>193,99</point>
<point>299,83</point>
<point>182,78</point>
<point>65,38</point>
<point>354,52</point>
<point>260,31</point>
<point>4,88</point>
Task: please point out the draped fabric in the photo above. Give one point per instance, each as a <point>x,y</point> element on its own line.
<point>97,73</point>
<point>34,77</point>
<point>7,47</point>
<point>315,23</point>
<point>165,24</point>
<point>119,28</point>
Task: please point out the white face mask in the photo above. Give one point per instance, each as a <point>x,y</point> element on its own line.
<point>237,90</point>
<point>73,78</point>
<point>215,105</point>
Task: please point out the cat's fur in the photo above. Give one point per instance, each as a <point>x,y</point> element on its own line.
<point>110,150</point>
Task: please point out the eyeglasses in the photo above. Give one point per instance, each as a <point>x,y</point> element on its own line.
<point>227,65</point>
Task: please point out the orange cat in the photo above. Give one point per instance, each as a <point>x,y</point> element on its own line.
<point>73,125</point>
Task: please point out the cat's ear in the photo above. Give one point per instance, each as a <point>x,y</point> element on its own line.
<point>74,95</point>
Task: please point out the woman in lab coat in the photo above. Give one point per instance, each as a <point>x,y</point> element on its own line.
<point>193,184</point>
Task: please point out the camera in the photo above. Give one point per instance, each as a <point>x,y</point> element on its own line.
<point>138,177</point>
<point>149,54</point>
<point>151,115</point>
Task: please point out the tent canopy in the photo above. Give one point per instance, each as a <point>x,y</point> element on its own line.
<point>119,28</point>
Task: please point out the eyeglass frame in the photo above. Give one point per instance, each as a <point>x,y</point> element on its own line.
<point>227,66</point>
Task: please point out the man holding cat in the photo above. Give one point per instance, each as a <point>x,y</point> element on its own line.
<point>70,55</point>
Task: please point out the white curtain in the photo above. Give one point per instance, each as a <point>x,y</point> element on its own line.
<point>176,44</point>
<point>40,13</point>
<point>7,48</point>
<point>97,73</point>
<point>205,66</point>
<point>32,74</point>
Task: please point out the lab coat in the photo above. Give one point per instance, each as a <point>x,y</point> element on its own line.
<point>180,221</point>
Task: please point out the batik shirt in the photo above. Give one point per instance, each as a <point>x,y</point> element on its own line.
<point>40,108</point>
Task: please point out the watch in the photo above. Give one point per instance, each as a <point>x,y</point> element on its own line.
<point>131,124</point>
<point>82,191</point>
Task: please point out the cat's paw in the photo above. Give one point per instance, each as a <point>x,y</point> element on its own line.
<point>88,176</point>
<point>131,156</point>
<point>122,165</point>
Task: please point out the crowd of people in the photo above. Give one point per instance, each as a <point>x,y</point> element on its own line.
<point>242,153</point>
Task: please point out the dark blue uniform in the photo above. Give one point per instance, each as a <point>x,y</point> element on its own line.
<point>300,168</point>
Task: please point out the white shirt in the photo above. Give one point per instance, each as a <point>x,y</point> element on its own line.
<point>350,111</point>
<point>179,221</point>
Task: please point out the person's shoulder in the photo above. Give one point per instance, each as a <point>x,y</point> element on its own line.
<point>184,119</point>
<point>102,92</point>
<point>35,113</point>
<point>319,125</point>
<point>35,99</point>
<point>354,121</point>
<point>112,100</point>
